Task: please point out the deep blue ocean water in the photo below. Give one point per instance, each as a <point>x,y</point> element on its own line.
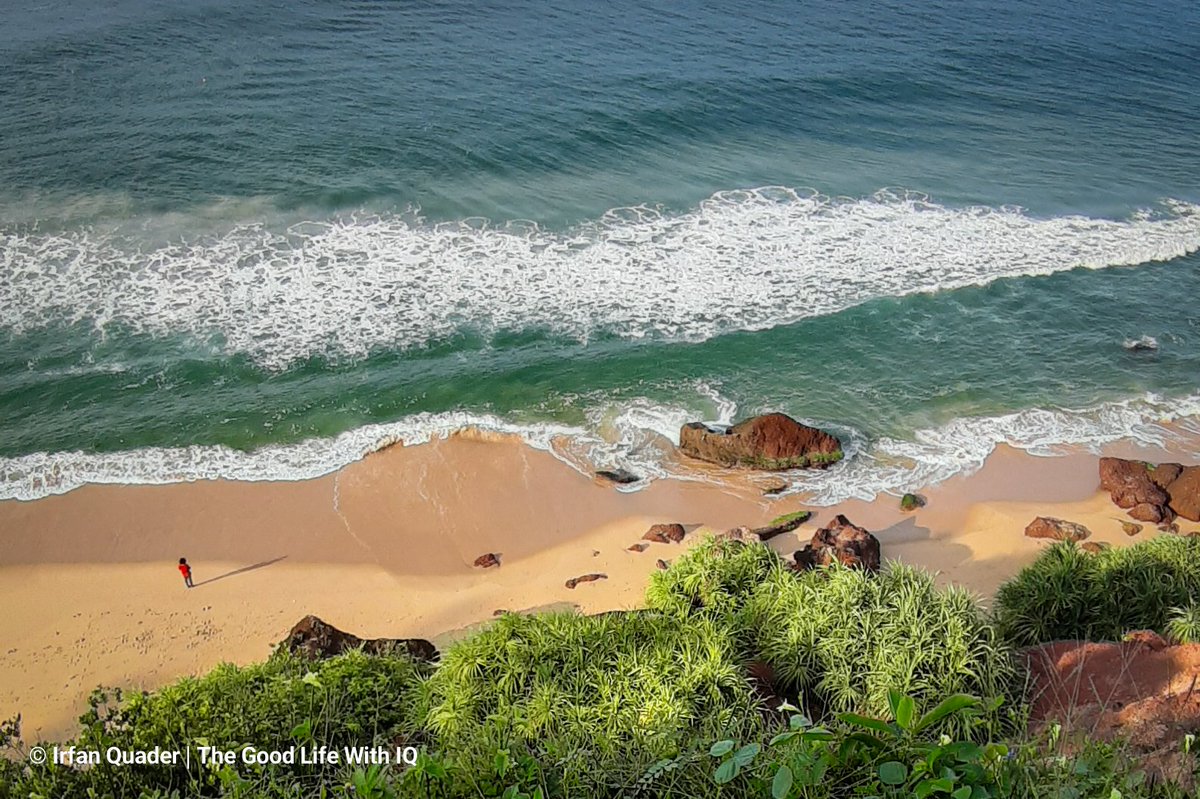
<point>259,240</point>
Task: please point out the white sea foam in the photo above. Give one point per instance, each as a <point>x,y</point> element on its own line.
<point>740,260</point>
<point>41,474</point>
<point>637,435</point>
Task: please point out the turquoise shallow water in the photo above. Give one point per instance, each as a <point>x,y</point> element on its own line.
<point>258,241</point>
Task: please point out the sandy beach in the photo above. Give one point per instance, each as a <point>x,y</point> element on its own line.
<point>384,548</point>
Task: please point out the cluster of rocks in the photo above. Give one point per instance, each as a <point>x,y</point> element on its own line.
<point>843,542</point>
<point>1153,493</point>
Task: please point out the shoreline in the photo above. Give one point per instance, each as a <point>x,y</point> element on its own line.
<point>384,548</point>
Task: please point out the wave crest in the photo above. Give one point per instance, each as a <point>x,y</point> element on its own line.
<point>742,260</point>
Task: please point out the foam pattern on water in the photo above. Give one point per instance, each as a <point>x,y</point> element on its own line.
<point>637,435</point>
<point>743,260</point>
<point>896,466</point>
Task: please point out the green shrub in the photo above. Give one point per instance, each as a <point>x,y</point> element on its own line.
<point>350,700</point>
<point>846,638</point>
<point>716,576</point>
<point>1183,624</point>
<point>1067,593</point>
<point>579,688</point>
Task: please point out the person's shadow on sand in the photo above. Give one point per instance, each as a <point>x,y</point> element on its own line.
<point>240,571</point>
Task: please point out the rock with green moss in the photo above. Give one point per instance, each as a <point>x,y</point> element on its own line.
<point>772,442</point>
<point>910,502</point>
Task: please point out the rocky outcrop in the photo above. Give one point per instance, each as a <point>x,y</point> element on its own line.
<point>585,578</point>
<point>841,541</point>
<point>1131,485</point>
<point>487,560</point>
<point>1143,693</point>
<point>665,534</point>
<point>771,442</point>
<point>1056,529</point>
<point>1185,493</point>
<point>316,640</point>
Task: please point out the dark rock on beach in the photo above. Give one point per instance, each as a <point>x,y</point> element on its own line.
<point>665,534</point>
<point>1130,529</point>
<point>784,524</point>
<point>910,502</point>
<point>771,442</point>
<point>641,546</point>
<point>1094,547</point>
<point>315,639</point>
<point>662,564</point>
<point>1056,529</point>
<point>841,541</point>
<point>618,476</point>
<point>488,560</point>
<point>585,578</point>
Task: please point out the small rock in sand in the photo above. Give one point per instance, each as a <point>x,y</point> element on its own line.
<point>585,578</point>
<point>487,561</point>
<point>638,547</point>
<point>662,564</point>
<point>1056,529</point>
<point>1130,528</point>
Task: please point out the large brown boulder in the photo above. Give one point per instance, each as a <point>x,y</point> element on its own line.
<point>665,534</point>
<point>843,542</point>
<point>1056,529</point>
<point>315,639</point>
<point>1129,483</point>
<point>774,441</point>
<point>1185,493</point>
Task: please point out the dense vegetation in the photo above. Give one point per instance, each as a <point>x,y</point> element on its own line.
<point>1068,593</point>
<point>895,688</point>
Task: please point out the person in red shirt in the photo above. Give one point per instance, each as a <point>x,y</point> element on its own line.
<point>186,571</point>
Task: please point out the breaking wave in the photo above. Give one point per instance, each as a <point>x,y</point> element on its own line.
<point>741,260</point>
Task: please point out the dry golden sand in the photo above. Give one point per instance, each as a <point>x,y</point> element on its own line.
<point>384,548</point>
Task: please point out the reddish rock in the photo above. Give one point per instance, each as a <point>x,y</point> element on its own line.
<point>1147,638</point>
<point>1185,493</point>
<point>665,534</point>
<point>1129,483</point>
<point>841,541</point>
<point>1141,693</point>
<point>1146,512</point>
<point>315,639</point>
<point>585,578</point>
<point>1056,529</point>
<point>1094,547</point>
<point>742,534</point>
<point>1130,529</point>
<point>1164,474</point>
<point>638,547</point>
<point>662,564</point>
<point>487,561</point>
<point>774,441</point>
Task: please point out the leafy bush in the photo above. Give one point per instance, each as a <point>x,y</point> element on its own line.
<point>1183,624</point>
<point>716,576</point>
<point>581,688</point>
<point>847,638</point>
<point>1067,593</point>
<point>350,700</point>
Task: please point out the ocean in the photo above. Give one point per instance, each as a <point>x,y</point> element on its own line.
<point>260,240</point>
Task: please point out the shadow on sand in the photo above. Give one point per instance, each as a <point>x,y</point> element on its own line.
<point>240,571</point>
